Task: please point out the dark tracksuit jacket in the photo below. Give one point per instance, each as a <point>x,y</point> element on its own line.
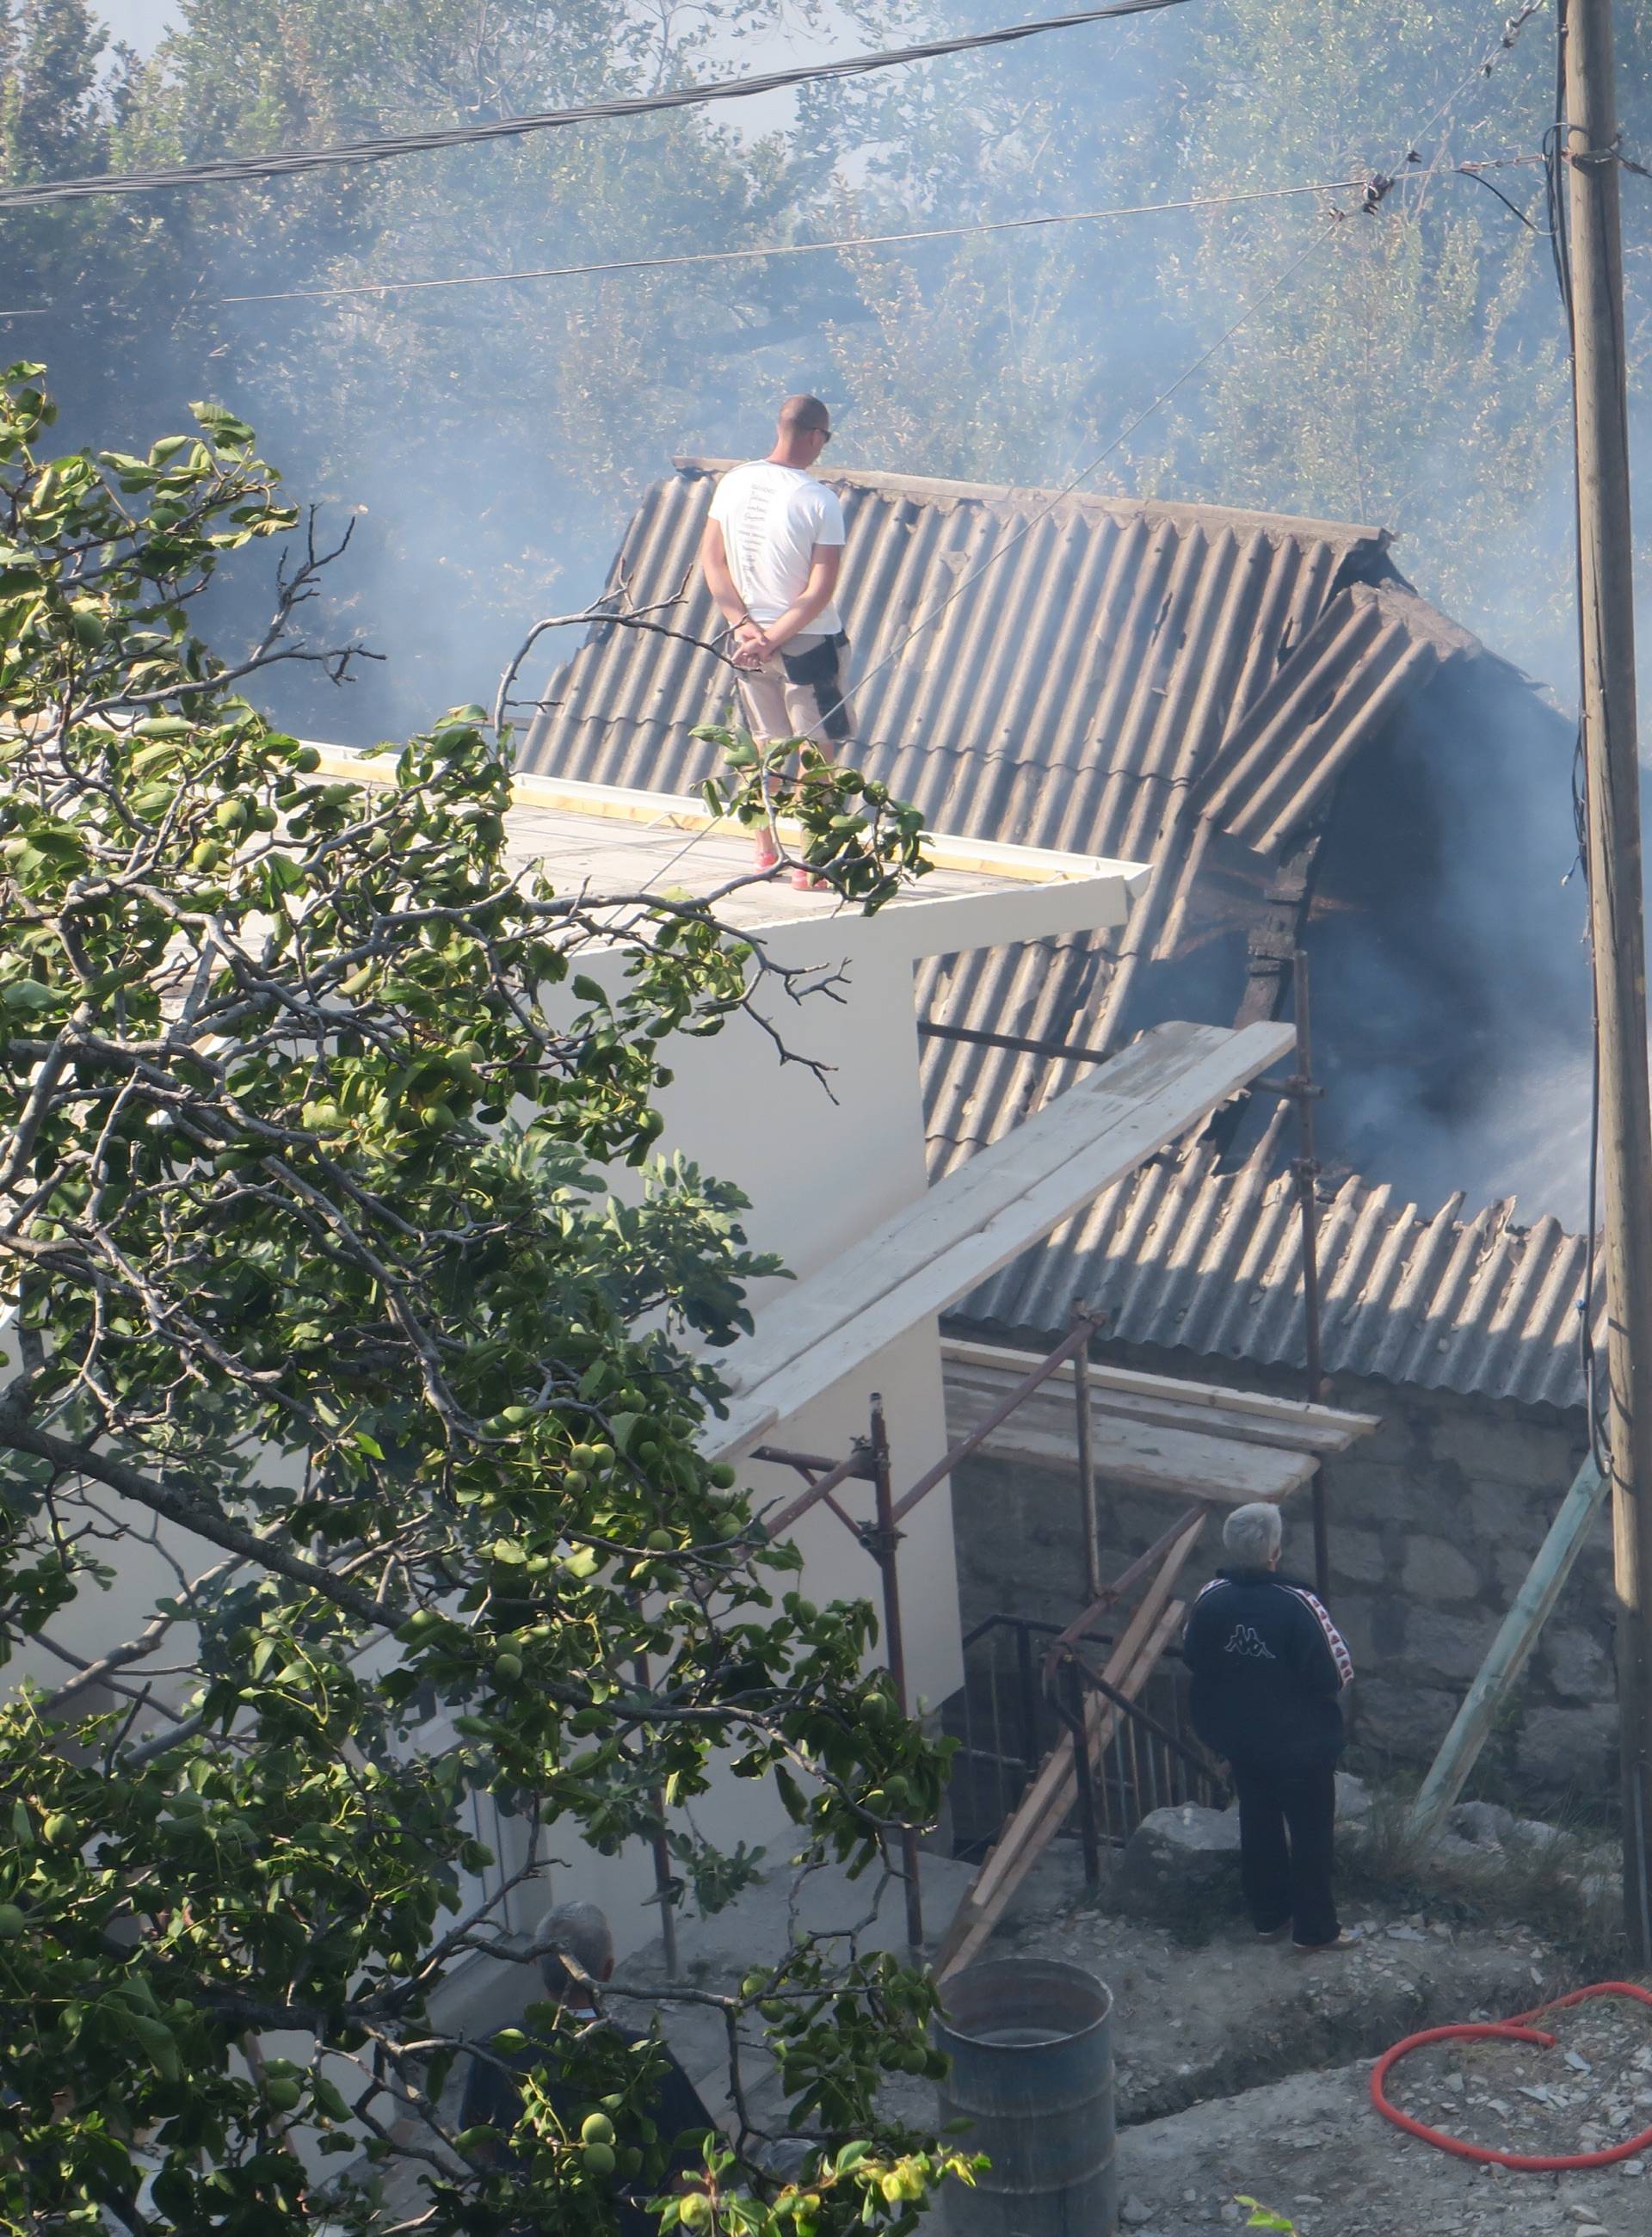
<point>1268,1667</point>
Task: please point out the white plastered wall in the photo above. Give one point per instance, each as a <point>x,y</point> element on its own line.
<point>824,1163</point>
<point>823,1170</point>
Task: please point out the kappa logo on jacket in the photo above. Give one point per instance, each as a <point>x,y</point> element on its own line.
<point>1248,1640</point>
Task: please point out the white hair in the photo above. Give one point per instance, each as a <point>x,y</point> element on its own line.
<point>1252,1535</point>
<point>582,1930</point>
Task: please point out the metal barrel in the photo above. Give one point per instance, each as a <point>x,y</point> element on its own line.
<point>1031,2046</point>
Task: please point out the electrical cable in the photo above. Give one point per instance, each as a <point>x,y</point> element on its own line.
<point>1507,203</point>
<point>1378,187</point>
<point>967,582</point>
<point>810,247</point>
<point>874,240</point>
<point>292,162</point>
<point>1511,30</point>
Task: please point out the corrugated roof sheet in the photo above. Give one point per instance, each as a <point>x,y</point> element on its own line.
<point>1124,674</point>
<point>1185,1255</point>
<point>1370,648</point>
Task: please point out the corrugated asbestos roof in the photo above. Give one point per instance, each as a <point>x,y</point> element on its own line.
<point>1124,677</point>
<point>1184,1254</point>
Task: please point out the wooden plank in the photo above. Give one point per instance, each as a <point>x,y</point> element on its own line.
<point>1229,1426</point>
<point>1507,1655</point>
<point>1047,1800</point>
<point>1056,1766</point>
<point>1293,1423</point>
<point>1182,1462</point>
<point>977,1918</point>
<point>1171,1066</point>
<point>1005,1199</point>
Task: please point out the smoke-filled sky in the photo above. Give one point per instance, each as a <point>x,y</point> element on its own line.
<point>490,444</point>
<point>139,23</point>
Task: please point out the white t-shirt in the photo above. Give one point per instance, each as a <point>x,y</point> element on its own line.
<point>772,518</point>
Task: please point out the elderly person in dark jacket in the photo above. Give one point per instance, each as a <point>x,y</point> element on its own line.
<point>1268,1667</point>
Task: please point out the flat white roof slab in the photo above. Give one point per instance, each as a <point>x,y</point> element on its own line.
<point>630,844</point>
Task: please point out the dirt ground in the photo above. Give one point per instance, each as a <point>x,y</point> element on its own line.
<point>1243,2069</point>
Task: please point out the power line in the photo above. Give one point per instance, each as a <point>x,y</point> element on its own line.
<point>1377,190</point>
<point>285,163</point>
<point>796,247</point>
<point>877,239</point>
<point>1164,396</point>
<point>1512,28</point>
<point>966,582</point>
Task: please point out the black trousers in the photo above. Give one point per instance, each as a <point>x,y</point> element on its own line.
<point>1287,1820</point>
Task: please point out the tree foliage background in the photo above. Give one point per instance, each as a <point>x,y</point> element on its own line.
<point>1411,376</point>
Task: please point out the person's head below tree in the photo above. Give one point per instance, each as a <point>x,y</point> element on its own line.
<point>575,1962</point>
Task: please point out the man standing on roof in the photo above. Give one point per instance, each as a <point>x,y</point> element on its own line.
<point>770,555</point>
<point>1269,1667</point>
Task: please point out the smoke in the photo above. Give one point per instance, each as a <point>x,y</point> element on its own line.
<point>1452,994</point>
<point>490,443</point>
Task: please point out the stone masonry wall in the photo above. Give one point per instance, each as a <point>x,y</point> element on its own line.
<point>1434,1519</point>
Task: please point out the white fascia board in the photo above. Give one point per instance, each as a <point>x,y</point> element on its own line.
<point>1006,1198</point>
<point>1003,916</point>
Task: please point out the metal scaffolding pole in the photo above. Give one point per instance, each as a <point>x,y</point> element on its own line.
<point>1084,1322</point>
<point>882,1541</point>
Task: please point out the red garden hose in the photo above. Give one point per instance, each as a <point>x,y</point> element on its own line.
<point>1519,2030</point>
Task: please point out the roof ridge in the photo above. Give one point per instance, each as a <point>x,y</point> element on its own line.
<point>1352,533</point>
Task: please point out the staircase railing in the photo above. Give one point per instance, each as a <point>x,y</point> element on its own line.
<point>1008,1717</point>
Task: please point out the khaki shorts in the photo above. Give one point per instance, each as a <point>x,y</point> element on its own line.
<point>776,707</point>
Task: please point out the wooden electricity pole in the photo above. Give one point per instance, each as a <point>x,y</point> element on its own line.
<point>1613,781</point>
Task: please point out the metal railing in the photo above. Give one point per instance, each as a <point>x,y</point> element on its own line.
<point>1006,1722</point>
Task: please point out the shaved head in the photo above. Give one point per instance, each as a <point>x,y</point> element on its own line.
<point>804,415</point>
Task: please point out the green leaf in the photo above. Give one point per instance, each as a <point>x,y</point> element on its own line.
<point>223,425</point>
<point>160,2045</point>
<point>623,1427</point>
<point>1263,2217</point>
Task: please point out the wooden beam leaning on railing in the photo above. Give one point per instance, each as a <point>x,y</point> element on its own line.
<point>1043,1808</point>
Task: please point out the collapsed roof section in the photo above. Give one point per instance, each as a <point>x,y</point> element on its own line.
<point>1126,679</point>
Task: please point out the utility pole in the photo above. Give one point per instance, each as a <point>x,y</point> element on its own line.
<point>1590,150</point>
